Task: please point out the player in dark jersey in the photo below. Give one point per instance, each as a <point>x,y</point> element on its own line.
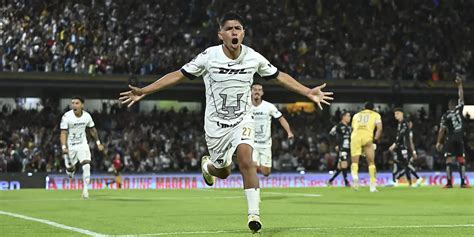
<point>403,150</point>
<point>452,125</point>
<point>342,133</point>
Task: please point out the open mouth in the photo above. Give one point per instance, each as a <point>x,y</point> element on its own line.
<point>235,41</point>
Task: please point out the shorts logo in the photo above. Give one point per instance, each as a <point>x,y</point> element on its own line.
<point>220,161</point>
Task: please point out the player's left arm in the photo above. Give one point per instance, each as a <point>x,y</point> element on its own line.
<point>379,128</point>
<point>315,94</point>
<point>284,123</point>
<point>412,144</point>
<point>95,135</point>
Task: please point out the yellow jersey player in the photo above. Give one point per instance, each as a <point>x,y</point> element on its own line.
<point>362,139</point>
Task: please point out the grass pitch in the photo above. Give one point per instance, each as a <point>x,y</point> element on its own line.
<point>403,211</point>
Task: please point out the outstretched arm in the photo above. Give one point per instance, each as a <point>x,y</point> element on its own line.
<point>315,94</point>
<point>136,94</point>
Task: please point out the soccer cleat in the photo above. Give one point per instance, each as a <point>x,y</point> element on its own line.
<point>208,178</point>
<point>418,182</point>
<point>85,194</point>
<point>347,184</point>
<point>448,186</point>
<point>355,185</point>
<point>396,184</point>
<point>464,186</point>
<point>373,189</point>
<point>254,223</point>
<point>328,183</point>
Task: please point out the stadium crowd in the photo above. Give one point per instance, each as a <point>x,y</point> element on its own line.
<point>161,141</point>
<point>399,40</point>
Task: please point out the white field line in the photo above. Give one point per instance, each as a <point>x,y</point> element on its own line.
<point>298,229</point>
<point>52,223</point>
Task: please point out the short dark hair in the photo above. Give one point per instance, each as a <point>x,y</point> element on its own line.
<point>344,114</point>
<point>369,105</point>
<point>78,98</point>
<point>229,16</point>
<point>398,109</point>
<point>452,102</point>
<point>256,84</point>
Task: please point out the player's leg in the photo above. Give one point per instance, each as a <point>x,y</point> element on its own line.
<point>449,172</point>
<point>356,151</point>
<point>84,157</point>
<point>370,154</point>
<point>337,171</point>
<point>248,171</point>
<point>218,164</point>
<point>70,161</point>
<point>343,166</point>
<point>459,147</point>
<point>265,160</point>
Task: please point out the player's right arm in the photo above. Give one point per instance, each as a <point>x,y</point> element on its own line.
<point>441,132</point>
<point>136,94</point>
<point>195,68</point>
<point>460,89</point>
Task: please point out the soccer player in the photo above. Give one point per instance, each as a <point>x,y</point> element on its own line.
<point>403,149</point>
<point>227,71</point>
<point>362,139</point>
<point>263,112</point>
<point>452,123</point>
<point>342,133</point>
<point>74,141</point>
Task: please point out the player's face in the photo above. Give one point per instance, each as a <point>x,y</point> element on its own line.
<point>398,115</point>
<point>76,105</point>
<point>257,92</point>
<point>346,118</point>
<point>232,34</point>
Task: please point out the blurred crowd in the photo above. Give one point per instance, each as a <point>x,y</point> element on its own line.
<point>173,141</point>
<point>370,39</point>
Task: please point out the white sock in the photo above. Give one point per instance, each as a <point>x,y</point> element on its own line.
<point>86,175</point>
<point>253,200</point>
<point>205,167</point>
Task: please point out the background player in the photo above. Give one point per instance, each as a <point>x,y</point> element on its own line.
<point>403,149</point>
<point>452,124</point>
<point>362,139</point>
<point>74,141</point>
<point>263,112</point>
<point>228,71</point>
<point>342,133</point>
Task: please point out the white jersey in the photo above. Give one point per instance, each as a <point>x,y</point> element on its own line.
<point>263,114</point>
<point>228,84</point>
<point>76,127</point>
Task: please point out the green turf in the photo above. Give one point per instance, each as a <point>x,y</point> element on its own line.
<point>426,211</point>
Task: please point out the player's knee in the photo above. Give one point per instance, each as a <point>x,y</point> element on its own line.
<point>85,162</point>
<point>461,160</point>
<point>71,169</point>
<point>266,172</point>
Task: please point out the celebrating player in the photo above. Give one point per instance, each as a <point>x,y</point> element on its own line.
<point>227,71</point>
<point>74,142</point>
<point>263,112</point>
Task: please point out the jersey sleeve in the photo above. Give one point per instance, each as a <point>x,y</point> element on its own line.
<point>274,112</point>
<point>63,124</point>
<point>378,119</point>
<point>265,69</point>
<point>90,123</point>
<point>333,131</point>
<point>197,66</point>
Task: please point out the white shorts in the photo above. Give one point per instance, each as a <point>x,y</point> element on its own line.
<point>75,154</point>
<point>221,149</point>
<point>262,156</point>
